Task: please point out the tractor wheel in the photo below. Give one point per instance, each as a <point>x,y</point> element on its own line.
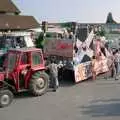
<point>6,97</point>
<point>39,83</point>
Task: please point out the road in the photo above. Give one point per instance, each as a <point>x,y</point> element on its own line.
<point>89,100</point>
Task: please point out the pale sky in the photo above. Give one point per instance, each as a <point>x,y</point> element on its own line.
<point>90,11</point>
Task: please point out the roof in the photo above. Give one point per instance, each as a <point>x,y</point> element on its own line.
<point>8,6</point>
<point>24,49</point>
<point>36,29</point>
<point>17,22</point>
<point>56,30</point>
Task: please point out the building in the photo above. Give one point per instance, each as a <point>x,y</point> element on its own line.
<point>10,18</point>
<point>14,27</point>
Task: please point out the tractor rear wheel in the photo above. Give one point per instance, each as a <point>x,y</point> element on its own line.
<point>39,83</point>
<point>6,97</point>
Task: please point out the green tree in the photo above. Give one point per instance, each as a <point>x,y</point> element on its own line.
<point>40,41</point>
<point>66,25</point>
<point>100,32</point>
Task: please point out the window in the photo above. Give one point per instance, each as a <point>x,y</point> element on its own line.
<point>36,58</point>
<point>24,58</point>
<point>11,42</point>
<point>12,61</point>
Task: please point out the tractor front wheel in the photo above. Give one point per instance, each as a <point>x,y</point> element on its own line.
<point>6,97</point>
<point>39,83</point>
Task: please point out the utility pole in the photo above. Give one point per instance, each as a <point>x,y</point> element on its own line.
<point>73,30</point>
<point>44,29</point>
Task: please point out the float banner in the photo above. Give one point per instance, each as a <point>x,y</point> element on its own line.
<point>101,66</point>
<point>83,71</point>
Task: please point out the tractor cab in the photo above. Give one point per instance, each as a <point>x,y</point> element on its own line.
<point>19,59</point>
<point>24,69</point>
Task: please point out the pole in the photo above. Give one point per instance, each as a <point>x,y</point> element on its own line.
<point>44,29</point>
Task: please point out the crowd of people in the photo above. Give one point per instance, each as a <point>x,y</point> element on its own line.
<point>115,70</point>
<point>56,70</point>
<point>113,64</point>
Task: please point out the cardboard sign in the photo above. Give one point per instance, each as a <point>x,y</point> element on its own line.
<point>101,66</point>
<point>83,71</point>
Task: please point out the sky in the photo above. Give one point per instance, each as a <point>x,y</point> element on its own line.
<point>83,11</point>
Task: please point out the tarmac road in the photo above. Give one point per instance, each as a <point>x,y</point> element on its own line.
<point>89,100</point>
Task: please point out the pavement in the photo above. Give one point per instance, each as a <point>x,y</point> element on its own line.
<point>88,100</point>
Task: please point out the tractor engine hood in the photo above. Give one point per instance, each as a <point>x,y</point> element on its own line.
<point>2,76</point>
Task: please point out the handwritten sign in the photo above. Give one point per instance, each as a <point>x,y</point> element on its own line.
<point>83,71</point>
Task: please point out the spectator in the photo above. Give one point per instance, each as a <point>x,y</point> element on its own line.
<point>116,62</point>
<point>93,68</point>
<point>111,66</point>
<point>53,69</point>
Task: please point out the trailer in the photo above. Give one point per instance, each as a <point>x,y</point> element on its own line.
<point>76,54</point>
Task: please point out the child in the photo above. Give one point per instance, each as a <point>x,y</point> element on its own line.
<point>93,68</point>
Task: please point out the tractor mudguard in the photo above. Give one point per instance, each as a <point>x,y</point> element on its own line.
<point>37,68</point>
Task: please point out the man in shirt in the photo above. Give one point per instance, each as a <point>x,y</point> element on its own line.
<point>117,63</point>
<point>53,69</point>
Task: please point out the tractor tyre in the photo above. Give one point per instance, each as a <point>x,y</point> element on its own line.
<point>6,98</point>
<point>39,83</point>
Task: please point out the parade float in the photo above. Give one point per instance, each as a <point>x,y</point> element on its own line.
<point>76,53</point>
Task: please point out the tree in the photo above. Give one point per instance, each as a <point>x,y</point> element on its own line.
<point>100,32</point>
<point>70,26</point>
<point>40,41</point>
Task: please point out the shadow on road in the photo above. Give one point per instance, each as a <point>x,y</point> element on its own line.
<point>106,100</point>
<point>102,108</point>
<point>66,83</point>
<point>26,94</point>
<point>23,95</point>
<point>68,79</point>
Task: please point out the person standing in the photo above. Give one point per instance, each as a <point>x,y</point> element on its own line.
<point>119,60</point>
<point>116,62</point>
<point>60,71</point>
<point>53,69</point>
<point>93,68</point>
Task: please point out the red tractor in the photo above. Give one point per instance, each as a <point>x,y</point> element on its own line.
<point>24,69</point>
